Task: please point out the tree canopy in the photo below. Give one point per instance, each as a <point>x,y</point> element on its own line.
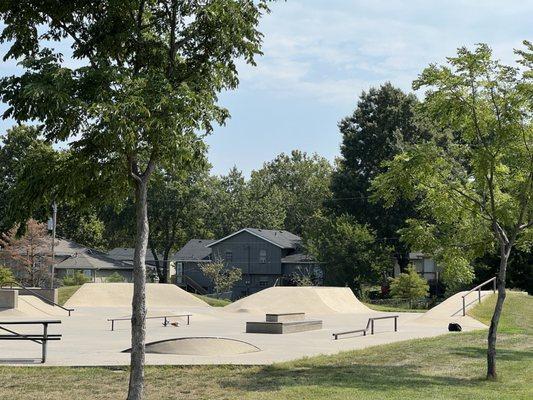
<point>143,87</point>
<point>381,126</point>
<point>475,177</point>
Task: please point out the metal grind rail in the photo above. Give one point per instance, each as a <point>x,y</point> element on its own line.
<point>370,324</point>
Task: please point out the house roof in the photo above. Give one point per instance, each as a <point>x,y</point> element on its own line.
<point>280,238</point>
<point>91,259</point>
<point>64,247</point>
<point>194,249</point>
<point>298,258</point>
<point>126,254</point>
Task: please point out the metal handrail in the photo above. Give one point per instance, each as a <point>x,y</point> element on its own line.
<point>69,310</point>
<point>478,288</point>
<point>196,286</point>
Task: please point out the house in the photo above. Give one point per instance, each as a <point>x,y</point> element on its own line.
<point>71,257</point>
<point>425,265</point>
<point>265,257</point>
<point>126,254</point>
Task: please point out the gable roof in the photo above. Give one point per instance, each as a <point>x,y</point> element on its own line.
<point>282,239</point>
<point>194,249</point>
<point>126,254</point>
<point>92,260</point>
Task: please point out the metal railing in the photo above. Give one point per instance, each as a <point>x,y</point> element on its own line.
<point>195,285</point>
<point>478,288</point>
<point>369,324</point>
<point>43,298</point>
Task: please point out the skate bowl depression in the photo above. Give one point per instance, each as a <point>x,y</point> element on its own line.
<point>200,346</point>
<point>121,294</point>
<point>311,299</point>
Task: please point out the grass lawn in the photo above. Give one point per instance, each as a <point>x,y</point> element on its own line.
<point>65,292</point>
<point>384,307</point>
<point>447,367</point>
<point>213,302</point>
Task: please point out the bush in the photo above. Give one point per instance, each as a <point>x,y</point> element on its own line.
<point>115,277</point>
<point>409,286</point>
<point>6,276</point>
<point>75,280</point>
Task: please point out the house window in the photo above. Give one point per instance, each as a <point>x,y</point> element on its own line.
<point>229,255</point>
<point>262,256</point>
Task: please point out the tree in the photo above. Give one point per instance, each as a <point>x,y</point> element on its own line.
<point>29,255</point>
<point>475,178</point>
<point>304,183</point>
<point>347,249</point>
<point>145,84</point>
<point>223,278</point>
<point>236,203</point>
<point>383,123</point>
<point>177,206</point>
<point>23,153</point>
<point>409,285</point>
<point>84,226</point>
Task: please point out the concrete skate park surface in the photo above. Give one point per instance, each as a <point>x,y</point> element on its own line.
<point>88,341</point>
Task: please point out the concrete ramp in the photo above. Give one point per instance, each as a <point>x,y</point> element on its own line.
<point>120,295</point>
<point>311,300</point>
<point>451,310</point>
<point>31,306</point>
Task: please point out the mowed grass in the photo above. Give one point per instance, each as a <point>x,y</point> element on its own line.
<point>451,366</point>
<point>65,292</point>
<point>387,308</point>
<point>213,302</point>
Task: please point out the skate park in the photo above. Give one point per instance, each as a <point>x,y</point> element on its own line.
<point>182,329</point>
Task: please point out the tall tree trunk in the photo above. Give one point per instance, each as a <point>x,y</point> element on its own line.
<point>138,326</point>
<point>500,280</point>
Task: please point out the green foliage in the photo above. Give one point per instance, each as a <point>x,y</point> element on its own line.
<point>223,278</point>
<point>76,279</point>
<point>25,158</point>
<point>347,249</point>
<point>474,177</point>
<point>409,285</point>
<point>236,203</point>
<point>303,183</point>
<point>383,123</point>
<point>6,275</point>
<point>115,277</point>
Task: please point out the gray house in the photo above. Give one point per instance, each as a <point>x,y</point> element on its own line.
<point>266,258</point>
<point>95,265</point>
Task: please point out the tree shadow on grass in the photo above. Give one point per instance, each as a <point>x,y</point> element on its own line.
<point>501,354</point>
<point>357,376</point>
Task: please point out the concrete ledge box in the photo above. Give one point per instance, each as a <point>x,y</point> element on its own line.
<point>9,298</point>
<point>283,327</point>
<point>285,317</point>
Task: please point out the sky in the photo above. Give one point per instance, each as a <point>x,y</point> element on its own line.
<point>319,55</point>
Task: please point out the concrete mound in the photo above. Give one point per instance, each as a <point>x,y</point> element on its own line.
<point>201,346</point>
<point>451,310</point>
<point>120,295</point>
<point>312,300</point>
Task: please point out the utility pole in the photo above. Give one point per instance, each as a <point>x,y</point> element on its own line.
<point>54,221</point>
